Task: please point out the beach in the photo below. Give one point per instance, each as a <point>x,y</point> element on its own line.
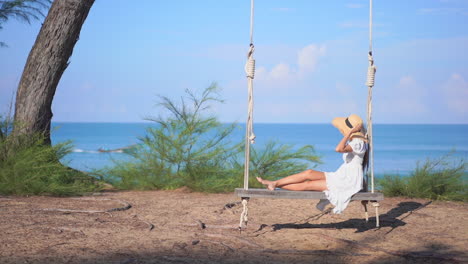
<point>126,128</point>
<point>180,226</point>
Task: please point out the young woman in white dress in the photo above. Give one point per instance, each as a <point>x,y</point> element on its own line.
<point>340,185</point>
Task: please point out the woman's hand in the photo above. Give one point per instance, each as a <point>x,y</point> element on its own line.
<point>355,129</point>
<point>342,147</point>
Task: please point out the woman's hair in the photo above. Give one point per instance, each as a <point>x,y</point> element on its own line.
<point>365,161</point>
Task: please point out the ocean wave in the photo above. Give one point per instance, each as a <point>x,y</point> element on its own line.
<point>84,151</point>
<point>77,150</point>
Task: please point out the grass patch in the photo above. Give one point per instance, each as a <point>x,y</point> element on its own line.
<point>436,179</point>
<point>30,167</point>
<point>190,147</point>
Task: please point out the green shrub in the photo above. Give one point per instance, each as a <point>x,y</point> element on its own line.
<point>276,160</point>
<point>439,179</point>
<point>28,166</point>
<point>191,148</point>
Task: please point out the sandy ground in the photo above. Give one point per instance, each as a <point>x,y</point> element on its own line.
<point>184,227</point>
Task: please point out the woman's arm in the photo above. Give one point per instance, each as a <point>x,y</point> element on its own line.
<point>342,147</point>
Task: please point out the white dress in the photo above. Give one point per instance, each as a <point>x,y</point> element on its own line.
<point>347,180</point>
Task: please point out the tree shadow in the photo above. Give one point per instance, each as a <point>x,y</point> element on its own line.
<point>388,219</point>
<point>429,253</point>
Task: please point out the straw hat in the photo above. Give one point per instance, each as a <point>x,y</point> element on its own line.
<point>345,124</point>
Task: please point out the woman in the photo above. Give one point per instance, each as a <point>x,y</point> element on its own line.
<point>340,185</point>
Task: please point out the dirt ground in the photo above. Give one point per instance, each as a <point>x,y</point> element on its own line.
<point>183,227</point>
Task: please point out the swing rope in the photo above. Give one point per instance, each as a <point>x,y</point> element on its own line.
<point>370,84</point>
<point>250,73</point>
<point>249,134</point>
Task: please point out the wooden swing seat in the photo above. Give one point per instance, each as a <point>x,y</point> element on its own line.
<point>315,195</point>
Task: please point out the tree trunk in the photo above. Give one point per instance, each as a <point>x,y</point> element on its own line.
<point>46,63</point>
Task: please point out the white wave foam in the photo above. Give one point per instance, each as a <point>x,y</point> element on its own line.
<point>84,151</point>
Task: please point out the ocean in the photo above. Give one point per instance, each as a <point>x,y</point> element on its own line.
<point>397,148</point>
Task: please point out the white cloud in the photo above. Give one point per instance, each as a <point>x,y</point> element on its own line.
<point>358,24</point>
<point>280,72</point>
<point>310,111</point>
<point>331,107</point>
<point>283,9</point>
<point>354,5</point>
<point>453,1</point>
<point>308,57</point>
<point>343,88</point>
<point>456,93</point>
<point>353,24</point>
<point>86,87</point>
<point>405,100</point>
<point>444,11</point>
<point>226,52</point>
<point>307,60</point>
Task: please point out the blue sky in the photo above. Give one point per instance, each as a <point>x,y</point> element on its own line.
<point>311,59</point>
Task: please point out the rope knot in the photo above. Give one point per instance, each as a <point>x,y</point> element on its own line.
<point>244,214</point>
<point>371,72</point>
<point>252,138</point>
<point>251,50</point>
<point>250,64</point>
<point>250,68</point>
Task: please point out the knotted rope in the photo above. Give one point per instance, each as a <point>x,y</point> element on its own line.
<point>370,84</point>
<point>371,71</point>
<point>250,73</point>
<point>249,134</point>
<point>244,215</point>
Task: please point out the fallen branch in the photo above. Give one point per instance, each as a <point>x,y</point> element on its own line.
<point>150,225</point>
<point>125,207</point>
<point>61,229</point>
<point>231,205</point>
<point>202,226</point>
<point>228,206</point>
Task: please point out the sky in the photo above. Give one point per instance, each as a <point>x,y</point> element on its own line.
<point>311,60</point>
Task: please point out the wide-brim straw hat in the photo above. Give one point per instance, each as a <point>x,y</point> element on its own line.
<point>345,124</point>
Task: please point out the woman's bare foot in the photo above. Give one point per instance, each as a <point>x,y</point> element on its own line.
<point>271,185</point>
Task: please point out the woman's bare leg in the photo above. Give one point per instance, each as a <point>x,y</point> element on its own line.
<point>307,175</point>
<point>318,185</point>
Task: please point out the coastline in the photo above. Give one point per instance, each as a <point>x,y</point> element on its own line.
<point>393,154</point>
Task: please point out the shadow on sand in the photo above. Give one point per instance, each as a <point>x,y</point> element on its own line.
<point>389,219</point>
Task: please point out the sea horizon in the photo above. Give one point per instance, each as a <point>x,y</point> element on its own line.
<point>397,148</point>
<point>265,123</point>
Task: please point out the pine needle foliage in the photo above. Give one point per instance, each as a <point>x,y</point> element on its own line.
<point>189,147</point>
<point>28,166</point>
<point>435,179</point>
<point>276,160</point>
<point>22,10</point>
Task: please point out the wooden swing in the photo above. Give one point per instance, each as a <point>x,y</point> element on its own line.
<point>246,193</point>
